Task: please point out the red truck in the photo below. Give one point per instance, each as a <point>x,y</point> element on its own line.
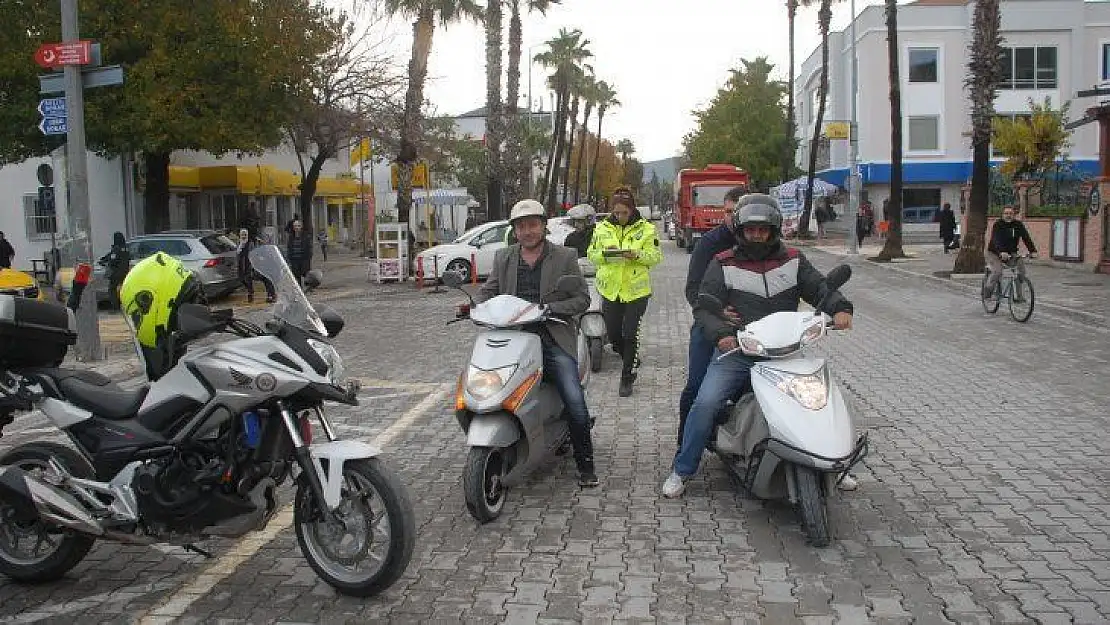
<point>700,200</point>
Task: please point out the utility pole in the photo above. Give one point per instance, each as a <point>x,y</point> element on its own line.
<point>77,184</point>
<point>854,181</point>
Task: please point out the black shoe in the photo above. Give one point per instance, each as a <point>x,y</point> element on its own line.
<point>588,479</point>
<point>626,385</point>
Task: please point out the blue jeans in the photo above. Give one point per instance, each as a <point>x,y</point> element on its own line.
<point>723,380</point>
<point>701,353</point>
<point>561,369</point>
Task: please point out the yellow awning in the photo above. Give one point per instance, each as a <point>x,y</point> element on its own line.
<point>264,180</point>
<point>184,178</point>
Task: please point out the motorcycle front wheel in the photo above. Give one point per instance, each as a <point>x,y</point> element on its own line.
<point>483,483</point>
<point>812,505</point>
<point>367,546</point>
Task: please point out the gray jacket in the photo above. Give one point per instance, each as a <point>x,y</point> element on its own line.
<point>560,261</point>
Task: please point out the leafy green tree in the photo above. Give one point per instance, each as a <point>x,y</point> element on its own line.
<point>26,24</point>
<point>1032,144</point>
<point>744,124</point>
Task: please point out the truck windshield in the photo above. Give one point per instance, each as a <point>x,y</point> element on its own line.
<point>710,195</point>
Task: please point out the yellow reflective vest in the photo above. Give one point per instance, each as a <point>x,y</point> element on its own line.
<point>621,279</point>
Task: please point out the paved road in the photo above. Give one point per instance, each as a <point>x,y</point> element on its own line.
<point>984,498</point>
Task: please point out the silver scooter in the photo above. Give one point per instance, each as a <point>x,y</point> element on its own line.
<point>592,321</point>
<point>791,435</point>
<point>512,418</point>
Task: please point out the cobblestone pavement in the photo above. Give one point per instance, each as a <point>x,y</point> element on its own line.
<point>984,499</point>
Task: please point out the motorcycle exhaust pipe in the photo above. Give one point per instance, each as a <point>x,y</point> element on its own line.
<point>34,499</point>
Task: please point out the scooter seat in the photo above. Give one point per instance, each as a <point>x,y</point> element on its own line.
<point>103,399</point>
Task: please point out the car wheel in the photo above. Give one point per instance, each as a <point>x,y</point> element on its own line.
<point>462,267</point>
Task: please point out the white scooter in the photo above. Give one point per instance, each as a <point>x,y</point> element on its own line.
<point>791,436</point>
<point>512,418</point>
<point>592,321</point>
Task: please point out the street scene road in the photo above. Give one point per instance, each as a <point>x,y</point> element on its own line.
<point>983,499</point>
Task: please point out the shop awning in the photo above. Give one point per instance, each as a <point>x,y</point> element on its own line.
<point>184,178</point>
<point>262,180</point>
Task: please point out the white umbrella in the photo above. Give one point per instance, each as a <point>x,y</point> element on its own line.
<point>796,188</point>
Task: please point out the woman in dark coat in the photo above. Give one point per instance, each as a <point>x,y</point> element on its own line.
<point>118,263</point>
<point>299,251</point>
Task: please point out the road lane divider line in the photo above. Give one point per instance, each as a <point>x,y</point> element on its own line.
<point>202,583</point>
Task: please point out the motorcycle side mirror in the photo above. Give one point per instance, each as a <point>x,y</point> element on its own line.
<point>195,320</point>
<point>711,304</point>
<point>569,284</point>
<point>838,277</point>
<point>333,322</point>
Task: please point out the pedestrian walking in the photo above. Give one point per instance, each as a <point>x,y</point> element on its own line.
<point>7,253</point>
<point>864,222</point>
<point>947,220</point>
<point>322,237</point>
<point>116,263</point>
<point>624,249</point>
<point>246,271</point>
<point>299,251</point>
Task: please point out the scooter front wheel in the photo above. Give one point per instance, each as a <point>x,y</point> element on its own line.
<point>597,352</point>
<point>483,483</point>
<point>812,505</point>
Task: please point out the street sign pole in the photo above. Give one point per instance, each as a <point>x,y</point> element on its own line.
<point>854,182</point>
<point>77,181</point>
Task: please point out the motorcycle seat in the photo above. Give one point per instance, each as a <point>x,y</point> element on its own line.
<point>92,391</point>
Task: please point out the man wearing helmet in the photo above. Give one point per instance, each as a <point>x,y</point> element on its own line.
<point>582,220</point>
<point>758,277</point>
<point>529,270</point>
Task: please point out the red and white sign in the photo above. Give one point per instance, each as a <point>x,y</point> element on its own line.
<point>52,55</point>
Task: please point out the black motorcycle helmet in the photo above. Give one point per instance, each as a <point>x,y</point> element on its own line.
<point>757,209</point>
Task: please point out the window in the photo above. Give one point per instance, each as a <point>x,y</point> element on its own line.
<point>923,64</point>
<point>39,222</point>
<point>924,135</point>
<point>1106,61</point>
<point>492,235</point>
<point>919,206</point>
<point>218,244</point>
<point>1067,233</point>
<point>1029,68</point>
<point>710,195</point>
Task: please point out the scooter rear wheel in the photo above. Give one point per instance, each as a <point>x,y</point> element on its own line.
<point>812,505</point>
<point>483,485</point>
<point>597,352</point>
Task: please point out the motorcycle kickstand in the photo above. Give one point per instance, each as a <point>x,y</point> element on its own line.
<point>191,547</point>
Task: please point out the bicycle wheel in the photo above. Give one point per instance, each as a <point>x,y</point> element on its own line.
<point>992,301</point>
<point>1021,299</point>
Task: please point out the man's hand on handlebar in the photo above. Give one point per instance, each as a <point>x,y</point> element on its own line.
<point>732,316</point>
<point>462,311</point>
<point>842,321</point>
<point>1004,256</point>
<point>727,344</point>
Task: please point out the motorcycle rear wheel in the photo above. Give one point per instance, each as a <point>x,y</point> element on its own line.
<point>812,505</point>
<point>371,493</point>
<point>66,548</point>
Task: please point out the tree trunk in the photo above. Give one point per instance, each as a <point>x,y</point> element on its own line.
<point>156,196</point>
<point>423,29</point>
<point>560,142</point>
<point>552,149</point>
<point>597,155</point>
<point>308,187</point>
<point>570,149</point>
<point>893,246</point>
<point>788,157</point>
<point>581,152</point>
<point>518,170</point>
<point>824,16</point>
<point>494,174</point>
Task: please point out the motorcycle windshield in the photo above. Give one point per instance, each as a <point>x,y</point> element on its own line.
<point>292,306</point>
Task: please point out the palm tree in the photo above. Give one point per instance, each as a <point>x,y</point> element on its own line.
<point>824,16</point>
<point>494,119</point>
<point>625,148</point>
<point>606,99</point>
<point>424,14</point>
<point>893,246</point>
<point>788,156</point>
<point>589,90</point>
<point>519,161</point>
<point>577,87</point>
<point>566,54</point>
<point>984,73</point>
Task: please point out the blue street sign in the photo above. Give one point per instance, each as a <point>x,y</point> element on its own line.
<point>53,126</point>
<point>52,107</point>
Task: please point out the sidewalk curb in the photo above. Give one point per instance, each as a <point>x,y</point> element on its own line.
<point>1055,309</point>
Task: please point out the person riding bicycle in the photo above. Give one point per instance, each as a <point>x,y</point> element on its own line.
<point>1005,236</point>
<point>758,277</point>
<point>581,218</point>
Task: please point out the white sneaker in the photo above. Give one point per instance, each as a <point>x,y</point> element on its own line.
<point>848,483</point>
<point>674,486</point>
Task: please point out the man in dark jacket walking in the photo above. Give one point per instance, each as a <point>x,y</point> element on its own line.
<point>947,220</point>
<point>299,251</point>
<point>1005,236</point>
<point>117,263</point>
<point>763,276</point>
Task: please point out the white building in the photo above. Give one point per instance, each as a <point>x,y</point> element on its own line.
<point>1052,48</point>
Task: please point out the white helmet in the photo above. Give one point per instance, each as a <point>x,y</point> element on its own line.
<point>527,208</point>
<point>581,211</point>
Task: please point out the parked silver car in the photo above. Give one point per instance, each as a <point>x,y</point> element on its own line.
<point>210,255</point>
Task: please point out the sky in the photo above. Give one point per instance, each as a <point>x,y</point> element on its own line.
<point>665,58</point>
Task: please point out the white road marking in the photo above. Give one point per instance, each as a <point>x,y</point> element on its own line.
<point>224,566</point>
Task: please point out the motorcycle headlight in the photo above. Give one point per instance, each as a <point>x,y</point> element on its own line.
<point>485,384</point>
<point>811,391</point>
<point>337,373</point>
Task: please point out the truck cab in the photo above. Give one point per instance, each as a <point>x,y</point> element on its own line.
<point>700,200</point>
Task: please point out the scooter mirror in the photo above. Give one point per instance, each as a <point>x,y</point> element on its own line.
<point>568,284</point>
<point>453,279</point>
<point>838,277</point>
<point>710,303</point>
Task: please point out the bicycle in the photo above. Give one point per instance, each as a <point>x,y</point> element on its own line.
<point>1017,290</point>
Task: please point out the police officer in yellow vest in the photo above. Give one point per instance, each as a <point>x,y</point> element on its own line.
<point>624,249</point>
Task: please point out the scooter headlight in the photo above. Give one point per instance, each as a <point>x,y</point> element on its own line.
<point>485,384</point>
<point>811,391</point>
<point>337,373</point>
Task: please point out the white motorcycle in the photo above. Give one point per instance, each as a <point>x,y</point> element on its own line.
<point>201,451</point>
<point>592,321</point>
<point>512,418</point>
<point>791,436</point>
